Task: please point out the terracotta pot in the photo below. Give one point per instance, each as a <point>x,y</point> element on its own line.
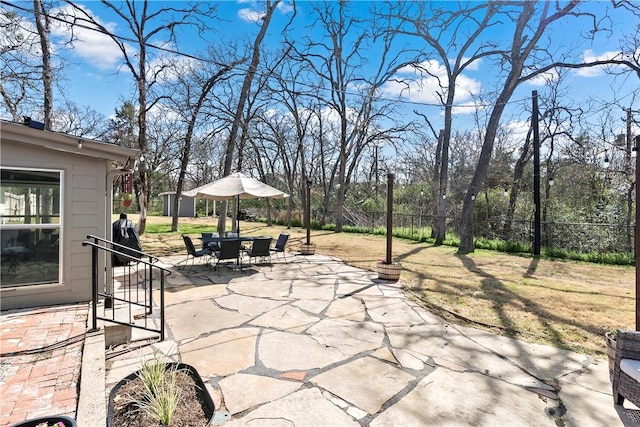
<point>611,352</point>
<point>389,271</point>
<point>309,249</point>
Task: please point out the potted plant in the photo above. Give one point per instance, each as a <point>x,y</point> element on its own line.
<point>48,421</point>
<point>610,338</point>
<point>162,393</point>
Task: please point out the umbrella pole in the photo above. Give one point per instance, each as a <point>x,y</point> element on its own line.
<point>238,216</point>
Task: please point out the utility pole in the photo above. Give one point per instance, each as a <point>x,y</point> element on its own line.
<point>536,173</point>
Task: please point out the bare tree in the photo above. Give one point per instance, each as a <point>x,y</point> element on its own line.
<point>429,21</point>
<point>145,23</point>
<point>270,8</point>
<point>19,70</point>
<point>195,85</point>
<point>28,71</point>
<point>530,25</point>
<point>337,59</point>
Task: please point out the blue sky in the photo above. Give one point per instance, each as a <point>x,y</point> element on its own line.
<point>94,78</point>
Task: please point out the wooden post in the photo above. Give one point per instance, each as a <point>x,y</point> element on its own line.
<point>637,235</point>
<point>388,259</point>
<point>308,213</point>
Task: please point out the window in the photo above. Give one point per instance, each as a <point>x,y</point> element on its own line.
<point>30,226</point>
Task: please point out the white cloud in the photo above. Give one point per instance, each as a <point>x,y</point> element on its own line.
<point>253,14</point>
<point>590,56</point>
<point>474,66</point>
<point>545,78</point>
<point>285,7</point>
<point>97,48</point>
<point>518,129</point>
<point>250,15</point>
<point>427,86</point>
<point>167,67</point>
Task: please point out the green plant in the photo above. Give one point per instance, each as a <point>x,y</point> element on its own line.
<point>152,373</point>
<point>160,392</point>
<point>161,401</point>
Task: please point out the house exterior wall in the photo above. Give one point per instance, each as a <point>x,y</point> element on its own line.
<point>88,168</point>
<point>84,212</point>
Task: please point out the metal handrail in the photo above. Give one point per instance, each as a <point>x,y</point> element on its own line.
<point>101,244</point>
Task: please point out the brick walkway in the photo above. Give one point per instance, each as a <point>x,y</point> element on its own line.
<point>40,361</point>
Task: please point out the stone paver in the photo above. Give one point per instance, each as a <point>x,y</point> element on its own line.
<point>286,351</point>
<point>313,342</point>
<point>222,353</point>
<point>446,398</point>
<point>366,383</point>
<point>244,391</point>
<point>302,408</point>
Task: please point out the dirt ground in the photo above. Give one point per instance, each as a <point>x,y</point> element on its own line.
<point>563,303</point>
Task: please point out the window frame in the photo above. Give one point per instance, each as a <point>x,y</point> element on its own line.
<point>55,226</point>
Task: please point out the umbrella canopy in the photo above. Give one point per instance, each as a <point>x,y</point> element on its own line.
<point>235,185</point>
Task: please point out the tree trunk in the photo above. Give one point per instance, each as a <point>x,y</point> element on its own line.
<point>517,182</point>
<point>436,185</point>
<point>441,200</point>
<point>244,94</point>
<point>43,26</point>
<point>521,48</point>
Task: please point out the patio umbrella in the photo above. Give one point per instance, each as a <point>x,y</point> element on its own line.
<point>237,185</point>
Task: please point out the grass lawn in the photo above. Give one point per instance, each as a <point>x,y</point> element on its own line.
<point>562,303</point>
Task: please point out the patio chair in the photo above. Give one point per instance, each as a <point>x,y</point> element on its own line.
<point>626,368</point>
<point>280,244</point>
<point>229,250</point>
<point>192,252</point>
<point>261,248</point>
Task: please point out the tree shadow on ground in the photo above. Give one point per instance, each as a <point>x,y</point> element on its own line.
<point>501,297</point>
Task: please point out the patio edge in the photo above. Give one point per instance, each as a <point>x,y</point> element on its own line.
<point>92,410</point>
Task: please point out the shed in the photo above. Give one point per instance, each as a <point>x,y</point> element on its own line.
<point>187,204</point>
<point>55,189</point>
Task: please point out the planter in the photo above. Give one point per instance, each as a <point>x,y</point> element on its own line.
<point>389,271</point>
<point>611,352</point>
<point>49,420</point>
<point>203,394</point>
<point>309,249</point>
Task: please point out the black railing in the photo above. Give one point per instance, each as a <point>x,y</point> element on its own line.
<point>137,280</point>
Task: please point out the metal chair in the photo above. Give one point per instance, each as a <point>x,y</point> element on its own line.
<point>192,252</point>
<point>625,381</point>
<point>280,244</point>
<point>261,248</point>
<point>229,249</point>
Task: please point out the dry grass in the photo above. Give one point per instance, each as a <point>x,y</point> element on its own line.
<point>563,303</point>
